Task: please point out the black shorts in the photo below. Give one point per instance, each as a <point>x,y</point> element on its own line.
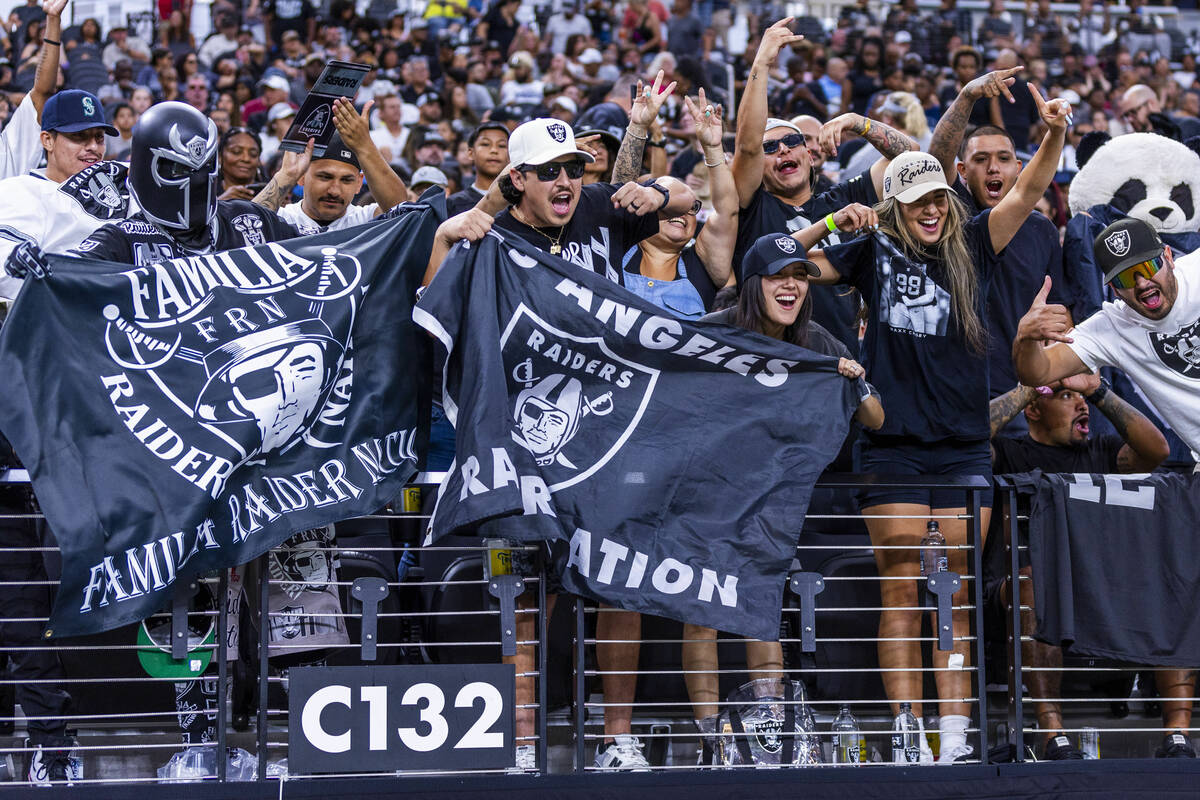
<point>919,458</point>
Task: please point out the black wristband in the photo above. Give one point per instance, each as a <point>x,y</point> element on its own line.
<point>651,184</point>
<point>656,143</point>
<point>51,41</point>
<point>1095,397</point>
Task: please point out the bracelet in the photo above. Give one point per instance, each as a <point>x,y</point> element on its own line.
<point>830,224</point>
<point>866,126</point>
<point>645,138</point>
<point>51,41</point>
<point>713,166</point>
<point>1095,397</point>
<point>653,143</point>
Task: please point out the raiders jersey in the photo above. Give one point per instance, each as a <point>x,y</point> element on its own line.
<point>58,216</point>
<point>238,223</point>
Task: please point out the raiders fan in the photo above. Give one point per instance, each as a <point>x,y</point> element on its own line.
<point>55,209</point>
<point>173,178</point>
<point>1152,332</point>
<point>1059,440</point>
<point>489,155</point>
<point>332,181</point>
<point>773,171</point>
<point>591,226</point>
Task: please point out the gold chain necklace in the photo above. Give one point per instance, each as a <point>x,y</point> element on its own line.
<point>555,247</point>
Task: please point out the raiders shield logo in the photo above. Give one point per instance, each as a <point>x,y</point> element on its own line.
<point>315,124</point>
<point>574,402</point>
<point>767,734</point>
<point>195,149</point>
<point>1180,350</point>
<point>250,226</point>
<point>100,190</point>
<point>557,131</point>
<point>786,243</point>
<point>1117,243</point>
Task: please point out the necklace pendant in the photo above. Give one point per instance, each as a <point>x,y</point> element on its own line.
<point>555,249</point>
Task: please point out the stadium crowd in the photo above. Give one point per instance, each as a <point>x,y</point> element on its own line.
<point>918,157</point>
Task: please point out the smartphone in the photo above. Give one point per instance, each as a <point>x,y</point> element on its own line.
<point>256,187</point>
<point>633,93</point>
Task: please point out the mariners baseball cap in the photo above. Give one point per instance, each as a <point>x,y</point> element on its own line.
<point>542,140</point>
<point>490,125</point>
<point>337,150</point>
<point>910,176</point>
<point>771,253</point>
<point>429,176</point>
<point>74,110</point>
<point>1125,243</point>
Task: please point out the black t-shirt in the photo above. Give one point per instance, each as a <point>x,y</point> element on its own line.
<point>1033,253</point>
<point>597,235</point>
<point>288,15</point>
<point>463,201</point>
<point>834,308</point>
<point>1018,116</point>
<point>934,387</point>
<point>239,223</point>
<point>697,275</point>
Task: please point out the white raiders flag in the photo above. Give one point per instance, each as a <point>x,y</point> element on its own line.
<point>669,463</point>
<point>191,414</point>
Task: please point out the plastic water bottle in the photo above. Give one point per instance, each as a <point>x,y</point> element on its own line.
<point>808,743</point>
<point>849,745</point>
<point>906,744</point>
<point>934,557</point>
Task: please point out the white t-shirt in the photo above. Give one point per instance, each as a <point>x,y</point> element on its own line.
<point>1161,356</point>
<point>532,93</point>
<point>355,215</point>
<point>21,141</point>
<point>59,216</point>
<point>393,144</point>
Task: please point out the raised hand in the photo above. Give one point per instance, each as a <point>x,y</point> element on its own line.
<point>710,125</point>
<point>649,100</point>
<point>294,165</point>
<point>1056,113</point>
<point>352,126</point>
<point>1045,322</point>
<point>774,39</point>
<point>589,143</point>
<point>54,8</point>
<point>993,84</point>
<point>856,217</point>
<point>830,138</point>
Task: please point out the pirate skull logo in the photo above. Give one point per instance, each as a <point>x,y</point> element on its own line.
<point>786,243</point>
<point>547,416</point>
<point>276,377</point>
<point>250,226</point>
<point>1117,243</point>
<point>1181,350</point>
<point>314,125</point>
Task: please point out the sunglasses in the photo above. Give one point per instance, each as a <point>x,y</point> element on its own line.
<point>792,140</point>
<point>1133,112</point>
<point>1127,278</point>
<point>549,172</point>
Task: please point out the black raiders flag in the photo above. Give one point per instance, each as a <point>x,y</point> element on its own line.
<point>669,463</point>
<point>1116,564</point>
<point>193,413</point>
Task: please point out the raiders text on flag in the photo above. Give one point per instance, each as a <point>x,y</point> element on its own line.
<point>670,463</point>
<point>193,413</point>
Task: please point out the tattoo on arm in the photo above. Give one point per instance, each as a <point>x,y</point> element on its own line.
<point>1005,408</point>
<point>947,136</point>
<point>888,141</point>
<point>274,194</point>
<point>628,165</point>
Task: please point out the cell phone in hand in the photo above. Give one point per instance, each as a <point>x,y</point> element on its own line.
<point>633,93</point>
<point>256,187</point>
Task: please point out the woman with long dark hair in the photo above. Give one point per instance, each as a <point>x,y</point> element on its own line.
<point>774,301</point>
<point>925,275</point>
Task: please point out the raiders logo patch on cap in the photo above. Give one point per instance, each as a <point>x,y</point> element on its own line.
<point>558,131</point>
<point>1117,243</point>
<point>787,244</point>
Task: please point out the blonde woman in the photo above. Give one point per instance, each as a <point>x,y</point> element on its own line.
<point>924,275</point>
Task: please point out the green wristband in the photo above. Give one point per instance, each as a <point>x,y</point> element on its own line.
<point>830,224</point>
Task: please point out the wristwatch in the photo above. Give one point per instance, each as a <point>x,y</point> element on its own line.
<point>1098,395</point>
<point>650,184</point>
<point>649,142</point>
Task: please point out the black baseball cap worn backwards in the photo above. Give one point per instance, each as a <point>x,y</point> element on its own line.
<point>1126,242</point>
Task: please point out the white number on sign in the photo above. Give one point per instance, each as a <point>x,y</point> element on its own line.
<point>431,715</point>
<point>493,703</point>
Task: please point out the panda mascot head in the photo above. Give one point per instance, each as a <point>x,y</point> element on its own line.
<point>1141,175</point>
